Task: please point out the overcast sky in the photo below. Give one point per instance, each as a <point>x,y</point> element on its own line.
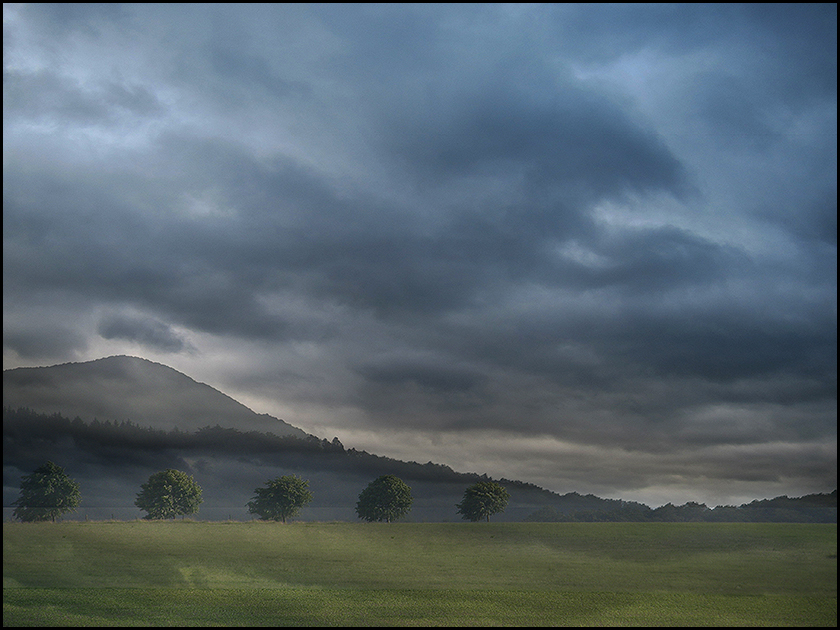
<point>593,247</point>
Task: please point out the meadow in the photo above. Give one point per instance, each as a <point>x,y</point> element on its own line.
<point>192,573</point>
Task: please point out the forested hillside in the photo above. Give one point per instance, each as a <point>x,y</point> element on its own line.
<point>111,459</point>
<point>229,464</point>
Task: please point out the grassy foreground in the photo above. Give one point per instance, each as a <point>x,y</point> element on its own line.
<point>249,574</point>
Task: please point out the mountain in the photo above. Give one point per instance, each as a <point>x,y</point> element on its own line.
<point>111,459</point>
<point>123,388</point>
<point>113,422</point>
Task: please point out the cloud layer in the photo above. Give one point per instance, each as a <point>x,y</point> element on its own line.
<point>611,229</point>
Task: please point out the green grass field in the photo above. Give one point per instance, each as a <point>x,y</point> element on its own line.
<point>248,574</point>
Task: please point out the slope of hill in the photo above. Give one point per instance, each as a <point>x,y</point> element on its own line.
<point>113,422</point>
<point>111,459</point>
<point>130,388</point>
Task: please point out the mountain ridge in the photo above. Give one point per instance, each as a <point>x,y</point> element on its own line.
<point>123,387</point>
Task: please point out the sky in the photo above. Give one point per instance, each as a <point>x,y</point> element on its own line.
<point>591,247</point>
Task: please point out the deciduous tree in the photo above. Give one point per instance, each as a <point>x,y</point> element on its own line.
<point>386,498</point>
<point>46,494</point>
<point>483,499</point>
<point>169,493</point>
<point>282,498</point>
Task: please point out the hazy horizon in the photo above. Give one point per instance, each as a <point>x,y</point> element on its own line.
<point>590,247</point>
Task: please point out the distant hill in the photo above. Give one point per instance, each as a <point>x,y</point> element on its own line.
<point>111,459</point>
<point>113,422</point>
<point>811,508</point>
<point>130,388</point>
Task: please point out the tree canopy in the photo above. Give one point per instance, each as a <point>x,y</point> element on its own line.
<point>386,498</point>
<point>282,498</point>
<point>169,493</point>
<point>46,494</point>
<point>483,499</point>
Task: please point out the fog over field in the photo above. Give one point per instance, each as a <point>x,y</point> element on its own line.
<point>590,247</point>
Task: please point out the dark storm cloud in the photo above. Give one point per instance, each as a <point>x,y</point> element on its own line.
<point>610,224</point>
<point>143,330</point>
<point>59,18</point>
<point>289,227</point>
<point>427,374</point>
<point>253,72</point>
<point>199,271</point>
<point>799,44</point>
<point>43,96</point>
<point>44,343</point>
<point>571,140</point>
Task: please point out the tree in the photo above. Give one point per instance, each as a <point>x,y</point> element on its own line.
<point>386,498</point>
<point>483,499</point>
<point>169,493</point>
<point>46,494</point>
<point>281,499</point>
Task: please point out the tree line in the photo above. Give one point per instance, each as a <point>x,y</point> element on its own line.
<point>30,437</point>
<point>812,508</point>
<point>48,493</point>
<point>25,430</point>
